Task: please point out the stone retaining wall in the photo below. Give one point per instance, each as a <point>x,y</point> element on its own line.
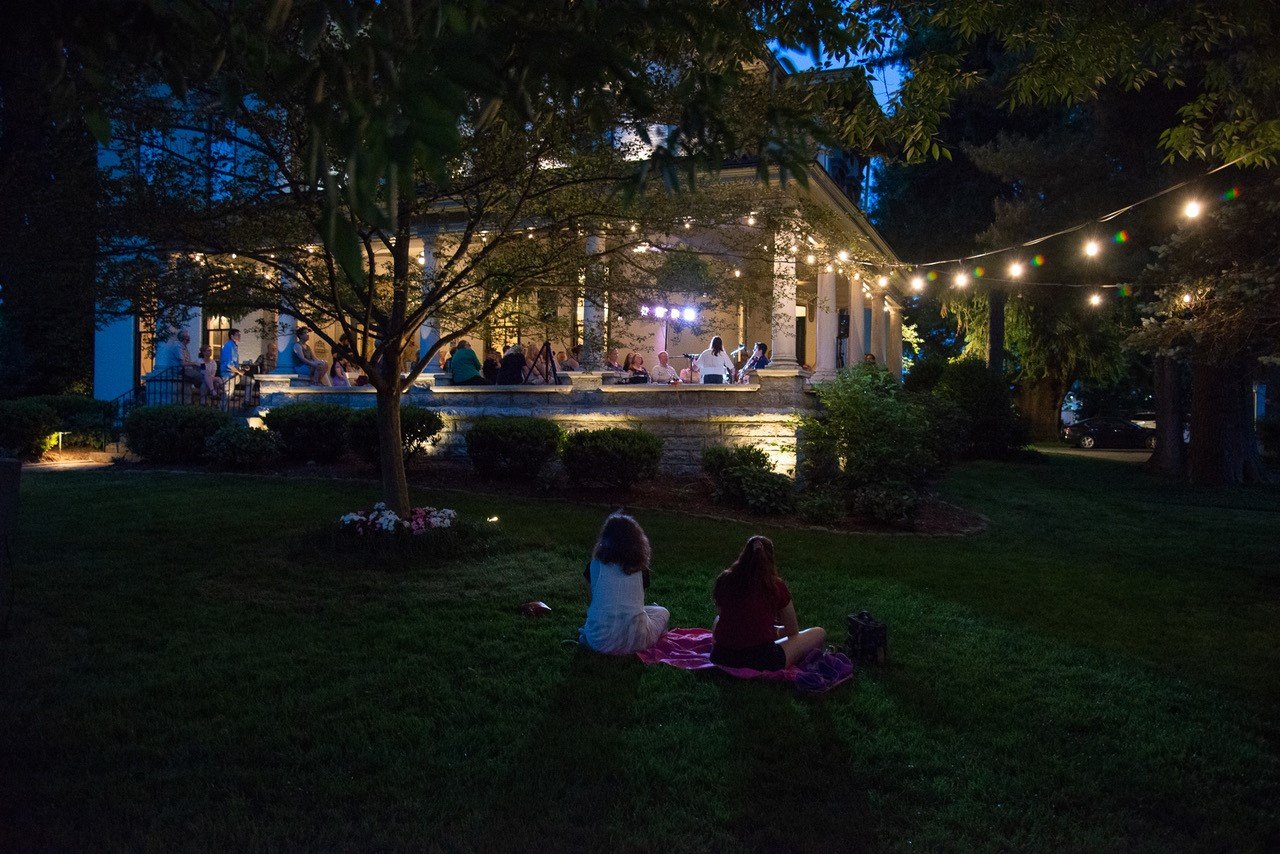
<point>689,417</point>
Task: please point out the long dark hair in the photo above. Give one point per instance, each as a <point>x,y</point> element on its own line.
<point>622,541</point>
<point>755,571</point>
<point>717,345</point>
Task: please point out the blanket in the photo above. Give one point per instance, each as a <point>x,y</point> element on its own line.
<point>690,649</point>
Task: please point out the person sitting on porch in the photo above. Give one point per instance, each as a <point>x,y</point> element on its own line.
<point>465,367</point>
<point>229,360</point>
<point>492,364</point>
<point>562,361</point>
<point>611,362</point>
<point>759,358</point>
<point>175,355</point>
<point>664,371</point>
<point>752,600</point>
<point>338,374</point>
<point>210,383</point>
<point>618,621</point>
<point>714,363</point>
<point>574,361</point>
<point>868,358</point>
<point>511,371</point>
<point>636,374</point>
<point>305,359</point>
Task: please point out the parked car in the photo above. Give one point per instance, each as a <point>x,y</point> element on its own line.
<point>1144,419</point>
<point>1108,432</point>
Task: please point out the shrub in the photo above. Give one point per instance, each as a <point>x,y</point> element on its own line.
<point>516,447</point>
<point>995,428</point>
<point>419,428</point>
<point>27,428</point>
<point>243,449</point>
<point>311,431</point>
<point>172,433</point>
<point>924,375</point>
<point>821,506</point>
<point>613,456</point>
<point>760,491</point>
<point>948,430</point>
<point>891,502</point>
<point>870,431</point>
<point>717,458</point>
<point>85,420</point>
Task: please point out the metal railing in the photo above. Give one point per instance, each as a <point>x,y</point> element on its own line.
<point>171,385</point>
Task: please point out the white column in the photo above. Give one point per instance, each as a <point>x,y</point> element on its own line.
<point>826,327</point>
<point>593,307</point>
<point>878,329</point>
<point>429,332</point>
<point>857,323</point>
<point>783,325</point>
<point>894,360</point>
<point>286,328</point>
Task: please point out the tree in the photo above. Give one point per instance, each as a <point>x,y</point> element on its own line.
<point>1217,298</point>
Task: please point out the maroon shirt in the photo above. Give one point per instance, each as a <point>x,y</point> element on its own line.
<point>747,620</point>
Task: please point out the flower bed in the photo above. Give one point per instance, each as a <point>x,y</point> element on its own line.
<point>383,521</point>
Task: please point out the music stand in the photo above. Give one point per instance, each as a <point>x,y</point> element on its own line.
<point>544,353</point>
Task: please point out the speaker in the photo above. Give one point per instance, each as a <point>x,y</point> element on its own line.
<point>10,474</point>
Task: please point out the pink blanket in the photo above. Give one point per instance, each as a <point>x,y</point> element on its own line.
<point>690,649</point>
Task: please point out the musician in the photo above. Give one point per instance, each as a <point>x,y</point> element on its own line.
<point>714,363</point>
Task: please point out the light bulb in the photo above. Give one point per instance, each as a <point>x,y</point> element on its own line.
<point>1016,269</point>
<point>737,274</point>
<point>961,279</point>
<point>1092,248</point>
<point>751,220</point>
<point>1186,299</point>
<point>810,258</point>
<point>1192,209</point>
<point>689,315</point>
<point>1095,299</point>
<point>842,255</point>
<point>917,283</point>
<point>883,281</point>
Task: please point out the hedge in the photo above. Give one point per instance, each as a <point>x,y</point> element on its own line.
<point>27,428</point>
<point>515,447</point>
<point>311,431</point>
<point>243,449</point>
<point>612,456</point>
<point>418,430</point>
<point>172,433</point>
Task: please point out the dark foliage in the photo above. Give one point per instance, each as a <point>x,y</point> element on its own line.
<point>311,431</point>
<point>613,456</point>
<point>419,428</point>
<point>26,428</point>
<point>517,447</point>
<point>995,428</point>
<point>243,449</point>
<point>172,433</point>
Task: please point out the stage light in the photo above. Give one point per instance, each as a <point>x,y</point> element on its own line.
<point>689,315</point>
<point>660,312</point>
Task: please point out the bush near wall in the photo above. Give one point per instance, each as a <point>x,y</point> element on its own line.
<point>419,428</point>
<point>995,427</point>
<point>87,422</point>
<point>516,447</point>
<point>27,428</point>
<point>312,432</point>
<point>172,433</point>
<point>744,478</point>
<point>241,448</point>
<point>613,456</point>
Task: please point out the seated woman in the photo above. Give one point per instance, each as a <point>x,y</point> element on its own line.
<point>338,374</point>
<point>618,621</point>
<point>211,384</point>
<point>752,600</point>
<point>636,374</point>
<point>305,361</point>
<point>464,366</point>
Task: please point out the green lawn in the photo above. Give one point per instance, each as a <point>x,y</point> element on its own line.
<point>191,668</point>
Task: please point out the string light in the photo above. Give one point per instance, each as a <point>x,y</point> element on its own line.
<point>737,274</point>
<point>829,268</point>
<point>917,282</point>
<point>1016,270</point>
<point>795,247</point>
<point>842,255</point>
<point>751,219</point>
<point>811,258</point>
<point>1092,248</point>
<point>1192,209</point>
<point>961,279</point>
<point>688,224</point>
<point>634,228</point>
<point>1095,300</point>
<point>883,281</point>
<point>1186,299</point>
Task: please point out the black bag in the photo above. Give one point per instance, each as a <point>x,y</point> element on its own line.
<point>868,639</point>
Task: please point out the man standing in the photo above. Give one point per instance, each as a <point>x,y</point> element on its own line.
<point>229,361</point>
<point>664,372</point>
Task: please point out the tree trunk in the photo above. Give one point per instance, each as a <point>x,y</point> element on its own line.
<point>1040,403</point>
<point>995,334</point>
<point>1170,455</point>
<point>395,484</point>
<point>1244,437</point>
<point>1213,407</point>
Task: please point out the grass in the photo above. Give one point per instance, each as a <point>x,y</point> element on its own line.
<point>192,666</point>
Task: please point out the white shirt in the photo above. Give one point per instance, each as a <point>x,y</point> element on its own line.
<point>617,620</point>
<point>659,374</point>
<point>710,363</point>
<point>170,354</point>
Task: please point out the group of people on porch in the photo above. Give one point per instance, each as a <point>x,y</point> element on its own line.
<point>214,379</point>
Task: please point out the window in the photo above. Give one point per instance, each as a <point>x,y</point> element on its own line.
<point>217,331</point>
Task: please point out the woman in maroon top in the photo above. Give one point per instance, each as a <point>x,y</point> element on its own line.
<point>753,601</point>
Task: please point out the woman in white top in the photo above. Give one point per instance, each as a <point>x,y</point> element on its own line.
<point>714,363</point>
<point>618,621</point>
